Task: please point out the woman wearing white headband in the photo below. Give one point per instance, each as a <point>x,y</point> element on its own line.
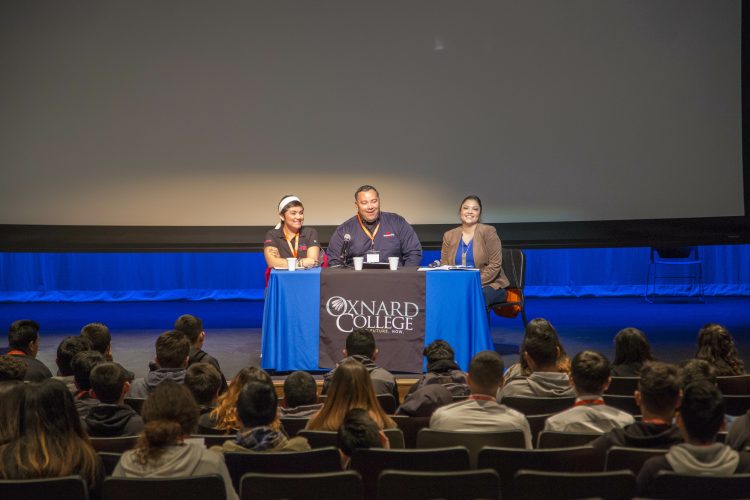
<point>289,239</point>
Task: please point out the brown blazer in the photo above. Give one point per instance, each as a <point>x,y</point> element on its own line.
<point>488,254</point>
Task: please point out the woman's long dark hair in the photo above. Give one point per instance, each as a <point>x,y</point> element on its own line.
<point>716,346</point>
<point>51,440</point>
<point>631,347</point>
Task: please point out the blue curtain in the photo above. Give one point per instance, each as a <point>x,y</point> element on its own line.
<point>85,277</point>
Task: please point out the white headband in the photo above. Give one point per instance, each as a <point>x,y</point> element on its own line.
<point>284,202</point>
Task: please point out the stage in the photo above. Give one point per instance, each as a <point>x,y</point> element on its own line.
<point>234,327</point>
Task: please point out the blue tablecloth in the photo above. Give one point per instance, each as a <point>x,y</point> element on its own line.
<point>454,311</point>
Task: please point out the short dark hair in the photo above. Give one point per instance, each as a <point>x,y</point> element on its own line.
<point>172,349</point>
<point>541,341</point>
<point>190,325</point>
<point>631,346</point>
<point>107,380</point>
<point>22,333</point>
<point>12,368</point>
<point>590,371</point>
<point>257,404</point>
<point>693,370</point>
<point>659,386</point>
<point>66,351</point>
<point>204,382</point>
<point>99,336</point>
<point>362,189</point>
<point>438,350</point>
<point>360,342</point>
<point>300,389</point>
<point>486,369</point>
<point>82,364</point>
<point>357,431</point>
<point>702,410</point>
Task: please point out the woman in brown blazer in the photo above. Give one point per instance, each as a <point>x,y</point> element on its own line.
<point>478,245</point>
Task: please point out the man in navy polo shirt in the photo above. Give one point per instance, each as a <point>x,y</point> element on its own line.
<point>370,231</point>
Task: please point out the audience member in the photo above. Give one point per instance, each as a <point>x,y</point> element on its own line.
<point>695,370</point>
<point>111,417</point>
<point>350,388</point>
<point>360,346</point>
<point>257,408</point>
<point>172,350</point>
<point>100,338</point>
<point>51,441</point>
<point>632,350</point>
<point>83,363</point>
<point>442,369</point>
<point>300,395</point>
<point>223,418</point>
<point>170,415</point>
<point>23,340</point>
<point>658,396</point>
<point>357,432</point>
<point>541,350</point>
<point>699,419</point>
<point>590,377</point>
<point>192,327</point>
<point>521,368</point>
<point>11,395</point>
<point>204,382</point>
<point>66,350</point>
<point>424,401</point>
<point>12,368</point>
<point>716,346</point>
<point>481,411</point>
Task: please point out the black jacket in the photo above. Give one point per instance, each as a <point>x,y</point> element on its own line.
<point>640,435</point>
<point>108,420</point>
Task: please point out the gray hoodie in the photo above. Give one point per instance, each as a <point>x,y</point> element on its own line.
<point>539,385</point>
<point>184,460</point>
<point>717,459</point>
<point>142,387</point>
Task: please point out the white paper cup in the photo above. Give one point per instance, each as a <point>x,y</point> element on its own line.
<point>393,263</point>
<point>291,263</point>
<point>358,261</point>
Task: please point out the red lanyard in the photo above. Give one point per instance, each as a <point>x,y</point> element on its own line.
<point>482,397</point>
<point>589,402</point>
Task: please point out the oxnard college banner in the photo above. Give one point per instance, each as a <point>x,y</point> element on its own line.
<point>388,303</point>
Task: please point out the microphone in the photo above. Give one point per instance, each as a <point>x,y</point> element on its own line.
<point>434,264</point>
<point>345,247</point>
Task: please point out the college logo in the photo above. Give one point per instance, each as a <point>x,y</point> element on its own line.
<point>389,317</point>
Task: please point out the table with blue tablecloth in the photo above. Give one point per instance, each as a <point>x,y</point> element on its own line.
<point>454,311</point>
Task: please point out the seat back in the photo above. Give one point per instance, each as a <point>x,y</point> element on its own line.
<point>623,458</point>
<point>292,425</point>
<point>56,488</point>
<point>514,266</point>
<point>624,386</point>
<point>473,441</point>
<point>371,462</point>
<point>734,384</point>
<point>293,462</point>
<point>410,426</point>
<point>508,461</point>
<point>536,424</point>
<point>342,485</point>
<point>387,403</point>
<point>538,406</point>
<point>321,439</point>
<point>184,488</point>
<point>210,440</point>
<point>737,405</point>
<point>563,485</point>
<point>114,444</point>
<point>667,484</point>
<point>428,485</point>
<point>557,439</point>
<point>623,402</point>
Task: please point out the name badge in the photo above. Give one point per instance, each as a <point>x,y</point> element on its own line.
<point>373,256</point>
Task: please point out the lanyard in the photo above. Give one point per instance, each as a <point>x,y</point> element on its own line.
<point>367,231</point>
<point>289,242</point>
<point>464,252</point>
<point>482,397</point>
<point>587,402</point>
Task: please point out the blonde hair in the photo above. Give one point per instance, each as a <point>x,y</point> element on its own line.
<point>351,388</point>
<point>225,414</point>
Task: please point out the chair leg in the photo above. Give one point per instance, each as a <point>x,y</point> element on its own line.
<point>523,315</point>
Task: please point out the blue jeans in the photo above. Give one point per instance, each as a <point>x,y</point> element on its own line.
<point>492,296</point>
